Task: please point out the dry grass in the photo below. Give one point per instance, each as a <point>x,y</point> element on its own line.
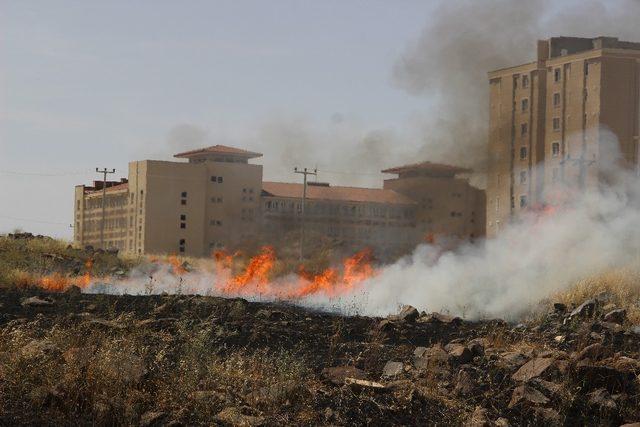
<point>619,287</point>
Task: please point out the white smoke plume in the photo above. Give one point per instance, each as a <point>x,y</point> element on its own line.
<point>463,40</point>
<point>594,231</point>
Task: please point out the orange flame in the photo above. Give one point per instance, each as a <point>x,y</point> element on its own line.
<point>57,282</point>
<point>176,265</point>
<point>256,277</point>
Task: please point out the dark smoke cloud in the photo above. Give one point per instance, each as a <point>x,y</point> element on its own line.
<point>463,40</point>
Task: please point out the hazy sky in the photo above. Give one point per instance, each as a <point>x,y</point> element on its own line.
<point>348,86</point>
<point>100,83</point>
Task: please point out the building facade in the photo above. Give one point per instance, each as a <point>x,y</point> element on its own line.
<point>216,199</point>
<point>550,120</point>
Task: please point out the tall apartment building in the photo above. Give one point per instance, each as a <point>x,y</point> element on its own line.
<point>217,199</point>
<point>549,120</point>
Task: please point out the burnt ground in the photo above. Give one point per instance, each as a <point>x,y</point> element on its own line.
<point>80,359</point>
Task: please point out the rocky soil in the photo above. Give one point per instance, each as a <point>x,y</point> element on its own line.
<point>73,358</point>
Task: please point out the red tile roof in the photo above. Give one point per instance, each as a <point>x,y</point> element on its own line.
<point>219,149</point>
<point>351,194</point>
<point>429,166</point>
<point>118,187</point>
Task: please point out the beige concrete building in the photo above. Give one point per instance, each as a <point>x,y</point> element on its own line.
<point>549,120</point>
<point>211,201</point>
<point>217,199</point>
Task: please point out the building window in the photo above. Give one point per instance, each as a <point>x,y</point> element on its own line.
<point>183,217</point>
<point>214,179</point>
<point>183,225</point>
<point>219,180</point>
<point>523,177</point>
<point>525,81</point>
<point>515,82</point>
<point>183,198</point>
<point>525,105</point>
<point>181,245</point>
<point>524,128</point>
<point>557,75</point>
<point>556,123</point>
<point>184,194</point>
<point>523,201</point>
<point>556,99</point>
<point>555,149</point>
<point>523,153</point>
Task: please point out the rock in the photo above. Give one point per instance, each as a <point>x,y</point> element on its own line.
<point>477,346</point>
<point>631,425</point>
<point>419,351</point>
<point>441,318</point>
<point>407,314</point>
<point>459,353</point>
<point>560,339</point>
<point>434,356</point>
<point>354,382</point>
<point>73,291</point>
<point>547,416</point>
<point>635,329</point>
<point>533,368</point>
<point>37,302</point>
<point>512,360</point>
<point>386,326</point>
<point>592,376</point>
<point>616,316</point>
<point>586,309</point>
<point>479,418</point>
<point>152,418</point>
<point>594,352</point>
<point>527,395</point>
<point>392,369</point>
<point>337,374</point>
<point>270,314</point>
<point>465,384</point>
<point>559,308</point>
<point>502,422</point>
<point>548,388</point>
<point>601,399</point>
<point>233,416</point>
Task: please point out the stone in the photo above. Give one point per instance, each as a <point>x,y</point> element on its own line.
<point>37,302</point>
<point>459,353</point>
<point>436,317</point>
<point>616,316</point>
<point>433,356</point>
<point>419,351</point>
<point>337,374</point>
<point>594,352</point>
<point>548,388</point>
<point>592,376</point>
<point>477,347</point>
<point>502,422</point>
<point>527,395</point>
<point>479,418</point>
<point>601,399</point>
<point>392,369</point>
<point>586,309</point>
<point>533,368</point>
<point>233,416</point>
<point>407,314</point>
<point>512,360</point>
<point>152,418</point>
<point>559,307</point>
<point>465,384</point>
<point>73,291</point>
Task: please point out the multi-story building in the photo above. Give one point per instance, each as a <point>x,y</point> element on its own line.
<point>550,119</point>
<point>210,201</point>
<point>449,210</point>
<point>217,199</point>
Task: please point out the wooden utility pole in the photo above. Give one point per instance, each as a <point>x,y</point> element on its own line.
<point>303,172</point>
<point>104,173</point>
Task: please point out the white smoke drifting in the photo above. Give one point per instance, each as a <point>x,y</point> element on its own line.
<point>594,231</point>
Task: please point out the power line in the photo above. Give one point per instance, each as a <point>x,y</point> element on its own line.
<point>6,172</point>
<point>13,218</point>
